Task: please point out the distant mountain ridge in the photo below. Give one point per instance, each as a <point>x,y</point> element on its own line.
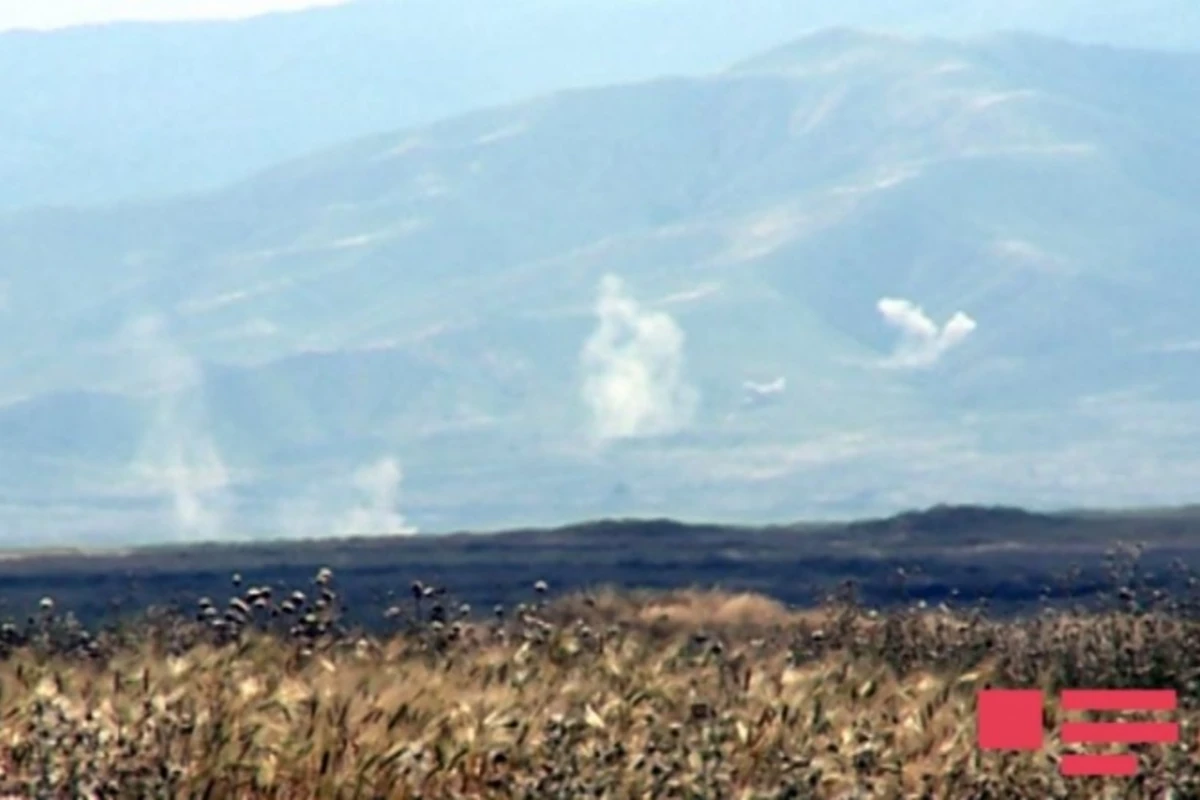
<point>96,114</point>
<point>858,274</point>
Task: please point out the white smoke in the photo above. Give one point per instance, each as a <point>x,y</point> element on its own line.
<point>379,483</point>
<point>178,458</point>
<point>757,393</point>
<point>633,369</point>
<point>921,343</point>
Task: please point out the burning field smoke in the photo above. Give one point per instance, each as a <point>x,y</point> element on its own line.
<point>379,484</point>
<point>755,393</point>
<point>178,458</point>
<point>921,343</point>
<point>633,369</point>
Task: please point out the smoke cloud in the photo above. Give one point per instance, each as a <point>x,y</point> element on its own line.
<point>379,484</point>
<point>178,459</point>
<point>633,380</point>
<point>758,393</point>
<point>921,343</point>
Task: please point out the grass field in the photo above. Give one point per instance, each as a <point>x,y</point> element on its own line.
<point>602,693</point>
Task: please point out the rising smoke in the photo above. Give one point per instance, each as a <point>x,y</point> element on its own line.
<point>179,460</point>
<point>922,343</point>
<point>755,393</point>
<point>379,485</point>
<point>633,380</point>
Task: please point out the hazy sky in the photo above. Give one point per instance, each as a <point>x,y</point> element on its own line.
<point>43,14</point>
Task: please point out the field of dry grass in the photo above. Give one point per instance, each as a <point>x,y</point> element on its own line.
<point>685,694</point>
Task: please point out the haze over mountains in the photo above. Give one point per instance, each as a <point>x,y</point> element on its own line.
<point>132,110</point>
<point>852,274</point>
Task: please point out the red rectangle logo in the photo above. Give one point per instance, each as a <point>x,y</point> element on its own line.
<point>1079,765</point>
<point>1119,699</point>
<point>1009,719</point>
<point>1012,719</point>
<point>1123,732</point>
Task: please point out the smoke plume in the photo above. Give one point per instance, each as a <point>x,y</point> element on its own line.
<point>178,459</point>
<point>921,343</point>
<point>379,485</point>
<point>633,380</point>
<point>756,393</point>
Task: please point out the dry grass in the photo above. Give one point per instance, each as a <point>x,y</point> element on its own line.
<point>635,695</point>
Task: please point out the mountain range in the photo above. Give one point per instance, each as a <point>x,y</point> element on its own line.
<point>853,274</point>
<point>134,110</point>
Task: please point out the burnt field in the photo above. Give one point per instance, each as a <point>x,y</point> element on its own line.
<point>1010,559</point>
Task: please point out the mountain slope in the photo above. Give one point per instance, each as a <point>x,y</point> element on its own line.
<point>439,296</point>
<point>94,114</point>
